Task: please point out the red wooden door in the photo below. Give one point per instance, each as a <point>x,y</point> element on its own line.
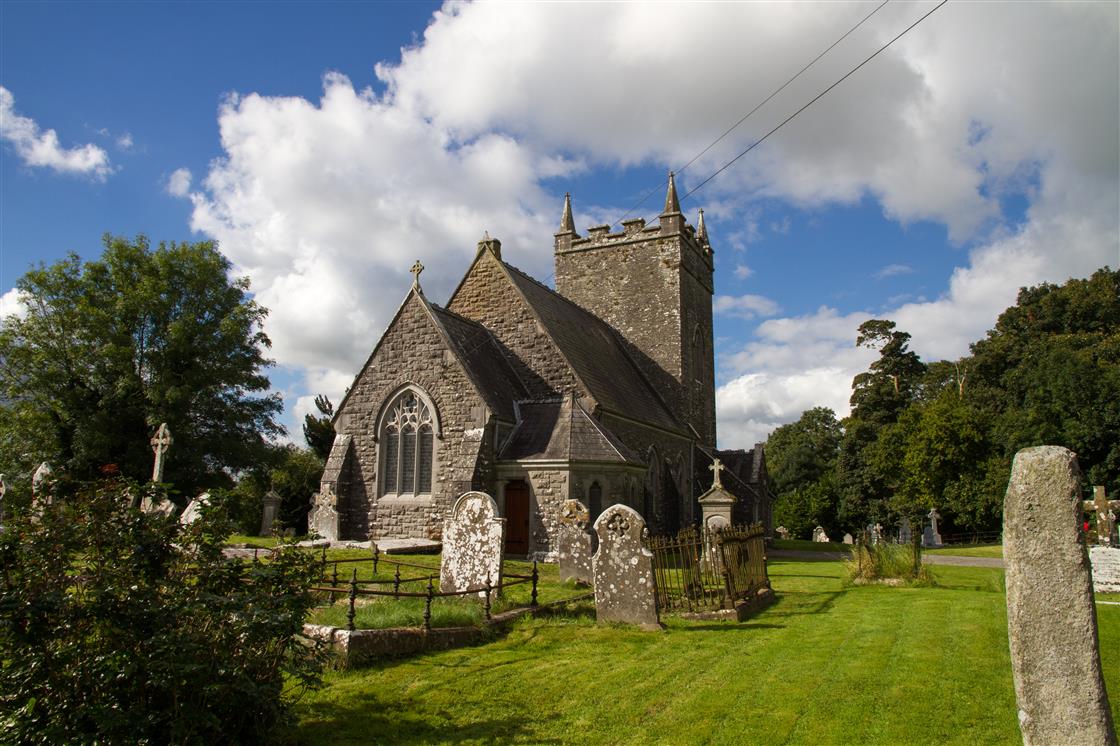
<point>517,518</point>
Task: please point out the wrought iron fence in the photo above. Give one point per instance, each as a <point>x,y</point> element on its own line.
<point>704,570</point>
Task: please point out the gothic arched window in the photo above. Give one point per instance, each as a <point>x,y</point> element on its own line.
<point>407,452</point>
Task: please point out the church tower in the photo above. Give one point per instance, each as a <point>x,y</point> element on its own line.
<point>654,285</point>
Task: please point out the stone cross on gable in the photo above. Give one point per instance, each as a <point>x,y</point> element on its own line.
<point>160,443</point>
<point>1104,508</point>
<point>716,468</point>
<point>416,270</point>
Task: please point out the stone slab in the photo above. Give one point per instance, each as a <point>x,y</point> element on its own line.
<point>1051,618</point>
<point>473,545</point>
<point>1106,568</point>
<point>623,570</point>
<point>575,543</point>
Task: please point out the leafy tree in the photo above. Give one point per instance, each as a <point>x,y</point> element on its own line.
<point>123,627</point>
<point>318,430</point>
<point>802,452</point>
<point>292,473</point>
<point>804,508</point>
<point>111,348</point>
<point>880,394</point>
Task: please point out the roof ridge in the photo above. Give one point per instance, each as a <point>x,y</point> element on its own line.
<point>599,429</point>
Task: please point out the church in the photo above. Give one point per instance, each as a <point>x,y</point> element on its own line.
<point>602,390</point>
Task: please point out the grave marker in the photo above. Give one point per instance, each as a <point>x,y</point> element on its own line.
<point>820,536</point>
<point>930,535</point>
<point>1051,617</point>
<point>270,511</point>
<point>473,545</point>
<point>848,539</point>
<point>323,519</point>
<point>575,543</point>
<point>161,443</point>
<point>42,486</point>
<point>194,509</point>
<point>782,532</point>
<point>623,570</point>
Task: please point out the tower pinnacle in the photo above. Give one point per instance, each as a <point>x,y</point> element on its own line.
<point>672,204</point>
<point>567,224</point>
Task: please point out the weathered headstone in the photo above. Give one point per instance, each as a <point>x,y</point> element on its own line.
<point>161,443</point>
<point>848,539</point>
<point>42,486</point>
<point>323,518</point>
<point>1051,617</point>
<point>194,509</point>
<point>877,534</point>
<point>1105,510</point>
<point>782,532</point>
<point>270,511</point>
<point>930,535</point>
<point>820,536</point>
<point>623,570</point>
<point>473,545</point>
<point>905,533</point>
<point>1106,568</point>
<point>575,542</point>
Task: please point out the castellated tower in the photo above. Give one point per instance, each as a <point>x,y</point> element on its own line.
<point>654,285</point>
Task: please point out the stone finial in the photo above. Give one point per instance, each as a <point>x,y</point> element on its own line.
<point>567,224</point>
<point>492,244</point>
<point>672,204</point>
<point>701,229</point>
<point>416,269</point>
<point>1051,616</point>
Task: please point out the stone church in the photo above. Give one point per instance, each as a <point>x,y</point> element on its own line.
<point>601,390</point>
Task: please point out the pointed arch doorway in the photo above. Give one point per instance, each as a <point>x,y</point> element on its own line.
<point>517,517</point>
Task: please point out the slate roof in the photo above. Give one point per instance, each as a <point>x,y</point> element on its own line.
<point>561,429</point>
<point>596,354</point>
<point>483,360</point>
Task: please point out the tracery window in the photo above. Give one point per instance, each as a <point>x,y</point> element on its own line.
<point>407,446</point>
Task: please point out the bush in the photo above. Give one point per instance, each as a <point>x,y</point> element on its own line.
<point>872,563</point>
<point>118,626</point>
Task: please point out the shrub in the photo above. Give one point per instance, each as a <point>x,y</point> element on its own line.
<point>118,626</point>
<point>872,563</point>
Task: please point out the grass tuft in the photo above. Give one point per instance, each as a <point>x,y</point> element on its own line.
<point>878,563</point>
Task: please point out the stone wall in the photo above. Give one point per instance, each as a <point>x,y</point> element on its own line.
<point>487,296</point>
<point>412,352</point>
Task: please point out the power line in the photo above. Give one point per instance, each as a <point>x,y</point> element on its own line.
<point>816,98</point>
<point>746,116</point>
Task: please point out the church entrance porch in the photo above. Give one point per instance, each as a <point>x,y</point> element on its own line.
<point>517,517</point>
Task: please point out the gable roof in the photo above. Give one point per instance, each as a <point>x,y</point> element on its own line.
<point>562,430</point>
<point>596,354</point>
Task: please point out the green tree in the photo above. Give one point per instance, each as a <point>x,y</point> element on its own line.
<point>318,430</point>
<point>123,627</point>
<point>802,452</point>
<point>292,473</point>
<point>888,386</point>
<point>111,348</point>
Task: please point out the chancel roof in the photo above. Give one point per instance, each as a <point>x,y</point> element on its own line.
<point>561,430</point>
<point>596,354</point>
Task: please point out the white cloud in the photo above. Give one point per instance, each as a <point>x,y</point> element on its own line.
<point>742,271</point>
<point>179,182</point>
<point>891,270</point>
<point>12,303</point>
<point>41,149</point>
<point>326,204</point>
<point>744,306</point>
<point>124,142</point>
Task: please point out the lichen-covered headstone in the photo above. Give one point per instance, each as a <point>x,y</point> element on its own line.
<point>782,532</point>
<point>575,542</point>
<point>473,545</point>
<point>819,535</point>
<point>194,509</point>
<point>323,518</point>
<point>623,570</point>
<point>1051,618</point>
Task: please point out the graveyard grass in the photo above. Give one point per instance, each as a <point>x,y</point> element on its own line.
<point>828,663</point>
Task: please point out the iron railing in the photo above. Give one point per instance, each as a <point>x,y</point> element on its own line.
<point>705,570</point>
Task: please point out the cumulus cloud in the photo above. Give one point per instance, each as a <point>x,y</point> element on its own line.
<point>179,182</point>
<point>124,142</point>
<point>742,271</point>
<point>326,204</point>
<point>12,303</point>
<point>891,270</point>
<point>41,149</point>
<point>744,306</point>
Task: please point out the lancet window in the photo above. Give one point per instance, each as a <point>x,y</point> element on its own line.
<point>407,446</point>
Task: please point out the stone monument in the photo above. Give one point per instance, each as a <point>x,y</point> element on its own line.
<point>1105,555</point>
<point>270,511</point>
<point>820,536</point>
<point>42,486</point>
<point>323,518</point>
<point>848,539</point>
<point>575,543</point>
<point>905,533</point>
<point>623,570</point>
<point>161,443</point>
<point>194,509</point>
<point>782,532</point>
<point>876,534</point>
<point>1051,617</point>
<point>473,545</point>
<point>931,537</point>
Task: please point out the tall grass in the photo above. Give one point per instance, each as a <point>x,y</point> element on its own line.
<point>883,562</point>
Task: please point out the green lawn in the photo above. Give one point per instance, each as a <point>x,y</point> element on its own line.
<point>970,550</point>
<point>804,545</point>
<point>825,664</point>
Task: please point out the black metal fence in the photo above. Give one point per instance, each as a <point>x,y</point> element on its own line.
<point>409,584</point>
<point>705,570</point>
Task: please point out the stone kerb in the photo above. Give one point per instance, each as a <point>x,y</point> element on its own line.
<point>575,543</point>
<point>623,570</point>
<point>1051,617</point>
<point>473,545</point>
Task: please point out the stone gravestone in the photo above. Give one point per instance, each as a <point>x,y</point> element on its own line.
<point>160,445</point>
<point>323,518</point>
<point>575,543</point>
<point>1105,556</point>
<point>194,509</point>
<point>931,537</point>
<point>905,533</point>
<point>1051,617</point>
<point>782,532</point>
<point>848,539</point>
<point>819,535</point>
<point>1105,511</point>
<point>877,534</point>
<point>42,486</point>
<point>473,545</point>
<point>270,511</point>
<point>623,570</point>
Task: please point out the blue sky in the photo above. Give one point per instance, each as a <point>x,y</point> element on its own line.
<point>329,145</point>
